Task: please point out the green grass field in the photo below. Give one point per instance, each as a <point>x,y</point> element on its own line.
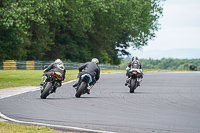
<point>15,78</point>
<point>18,128</point>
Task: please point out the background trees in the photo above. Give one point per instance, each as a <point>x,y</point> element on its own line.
<point>75,30</point>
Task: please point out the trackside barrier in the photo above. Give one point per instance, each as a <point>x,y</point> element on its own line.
<point>9,65</point>
<point>1,65</point>
<point>39,65</point>
<point>21,65</point>
<point>30,65</point>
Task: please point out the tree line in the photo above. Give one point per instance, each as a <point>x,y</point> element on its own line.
<point>76,30</point>
<point>166,63</point>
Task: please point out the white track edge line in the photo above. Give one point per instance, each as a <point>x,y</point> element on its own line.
<point>49,125</point>
<point>39,87</point>
<point>54,126</point>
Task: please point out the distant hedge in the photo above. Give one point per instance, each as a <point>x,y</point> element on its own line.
<point>164,63</point>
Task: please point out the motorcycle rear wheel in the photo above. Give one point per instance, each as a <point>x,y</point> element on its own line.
<point>133,85</point>
<point>81,89</point>
<point>46,91</point>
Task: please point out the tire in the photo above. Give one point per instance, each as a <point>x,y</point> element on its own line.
<point>132,86</point>
<point>81,89</point>
<point>46,91</point>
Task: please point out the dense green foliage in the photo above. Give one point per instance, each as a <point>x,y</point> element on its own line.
<point>75,30</point>
<point>166,63</point>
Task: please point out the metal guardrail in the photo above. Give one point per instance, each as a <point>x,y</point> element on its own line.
<point>21,64</point>
<point>1,65</point>
<point>39,65</point>
<point>105,66</point>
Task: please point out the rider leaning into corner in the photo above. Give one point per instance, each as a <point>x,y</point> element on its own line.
<point>58,68</point>
<point>91,68</point>
<point>137,65</point>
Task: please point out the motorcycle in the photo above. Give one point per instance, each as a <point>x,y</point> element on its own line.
<point>83,84</point>
<point>195,68</point>
<point>50,86</point>
<point>133,81</point>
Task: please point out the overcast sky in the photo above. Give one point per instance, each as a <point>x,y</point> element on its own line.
<point>180,26</point>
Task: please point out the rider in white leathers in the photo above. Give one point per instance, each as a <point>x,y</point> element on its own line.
<point>134,64</point>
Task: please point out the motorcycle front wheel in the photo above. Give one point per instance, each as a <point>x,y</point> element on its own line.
<point>132,86</point>
<point>81,89</point>
<point>46,91</point>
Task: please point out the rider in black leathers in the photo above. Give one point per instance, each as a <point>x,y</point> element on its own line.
<point>91,68</point>
<point>191,67</point>
<point>58,68</point>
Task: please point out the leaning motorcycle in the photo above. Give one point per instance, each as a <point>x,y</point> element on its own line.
<point>50,86</point>
<point>83,84</point>
<point>133,81</point>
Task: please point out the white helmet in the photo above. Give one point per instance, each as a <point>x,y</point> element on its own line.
<point>58,61</point>
<point>134,58</point>
<point>95,60</point>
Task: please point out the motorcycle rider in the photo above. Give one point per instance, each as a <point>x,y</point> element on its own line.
<point>191,67</point>
<point>91,68</point>
<point>134,64</point>
<point>58,68</point>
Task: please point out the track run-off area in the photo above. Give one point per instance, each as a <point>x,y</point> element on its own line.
<point>166,102</point>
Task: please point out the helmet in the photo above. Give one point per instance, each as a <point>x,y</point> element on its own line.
<point>58,61</point>
<point>45,66</point>
<point>95,60</point>
<point>134,58</point>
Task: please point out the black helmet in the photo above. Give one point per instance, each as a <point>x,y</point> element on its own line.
<point>134,58</point>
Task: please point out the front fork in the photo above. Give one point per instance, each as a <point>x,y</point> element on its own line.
<point>55,86</point>
<point>42,87</point>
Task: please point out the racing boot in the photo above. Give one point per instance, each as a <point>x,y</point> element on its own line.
<point>126,81</point>
<point>88,92</point>
<point>139,81</point>
<point>59,84</point>
<point>54,90</point>
<point>88,88</point>
<point>76,84</point>
<point>41,89</point>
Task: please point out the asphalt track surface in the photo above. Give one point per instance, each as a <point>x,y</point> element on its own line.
<point>165,102</point>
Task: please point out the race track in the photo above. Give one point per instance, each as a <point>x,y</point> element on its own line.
<point>165,102</point>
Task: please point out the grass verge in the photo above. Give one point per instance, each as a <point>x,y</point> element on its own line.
<point>18,128</point>
<point>15,78</point>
